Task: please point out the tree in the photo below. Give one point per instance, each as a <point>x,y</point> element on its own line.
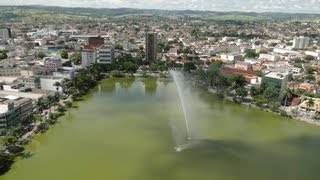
<point>189,66</point>
<point>237,81</point>
<point>310,103</point>
<point>309,58</point>
<point>76,58</point>
<point>250,53</point>
<point>3,56</point>
<point>287,95</point>
<point>153,67</point>
<point>64,54</point>
<point>216,64</point>
<point>271,93</point>
<point>242,92</point>
<point>310,78</point>
<point>254,91</point>
<point>5,162</point>
<point>58,85</point>
<point>260,100</point>
<point>118,47</point>
<point>309,70</point>
<point>41,55</point>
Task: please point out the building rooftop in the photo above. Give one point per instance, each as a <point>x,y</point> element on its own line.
<point>276,75</point>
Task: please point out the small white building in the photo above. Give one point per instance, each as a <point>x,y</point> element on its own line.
<point>231,57</point>
<point>269,57</point>
<point>47,83</point>
<point>41,42</point>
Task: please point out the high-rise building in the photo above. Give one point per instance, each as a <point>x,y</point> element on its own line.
<point>276,81</point>
<point>5,33</point>
<point>88,57</point>
<point>151,46</point>
<point>301,42</point>
<point>105,54</point>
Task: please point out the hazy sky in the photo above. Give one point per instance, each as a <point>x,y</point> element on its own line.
<point>308,6</point>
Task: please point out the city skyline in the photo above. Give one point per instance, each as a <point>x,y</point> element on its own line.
<point>287,6</point>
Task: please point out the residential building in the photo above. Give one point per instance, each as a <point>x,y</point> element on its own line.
<point>231,57</point>
<point>89,57</point>
<point>301,42</point>
<point>105,54</point>
<point>151,46</point>
<point>52,64</point>
<point>224,49</point>
<point>12,109</point>
<point>94,42</point>
<point>47,83</point>
<point>16,87</point>
<point>40,42</point>
<point>243,66</point>
<point>269,57</point>
<point>5,34</point>
<point>32,71</point>
<point>276,81</point>
<point>11,72</point>
<point>296,70</point>
<point>30,82</point>
<point>315,54</point>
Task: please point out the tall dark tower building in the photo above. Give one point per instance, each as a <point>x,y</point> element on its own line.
<point>151,46</point>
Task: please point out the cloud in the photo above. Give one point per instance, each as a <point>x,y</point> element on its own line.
<point>300,6</point>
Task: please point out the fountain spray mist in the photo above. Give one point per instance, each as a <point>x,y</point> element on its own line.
<point>175,74</point>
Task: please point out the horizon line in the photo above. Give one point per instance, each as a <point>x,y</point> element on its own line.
<point>171,10</point>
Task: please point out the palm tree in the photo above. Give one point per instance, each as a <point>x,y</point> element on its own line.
<point>40,105</point>
<point>288,95</point>
<point>50,100</point>
<point>310,103</point>
<point>58,85</point>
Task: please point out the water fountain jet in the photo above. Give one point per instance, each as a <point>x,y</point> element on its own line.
<point>174,74</point>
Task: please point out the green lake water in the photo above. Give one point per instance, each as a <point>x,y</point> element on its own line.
<point>128,130</point>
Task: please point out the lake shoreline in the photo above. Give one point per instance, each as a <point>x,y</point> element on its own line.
<point>284,109</point>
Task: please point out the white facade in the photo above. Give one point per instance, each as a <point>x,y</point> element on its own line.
<point>313,53</point>
<point>105,55</point>
<point>296,70</point>
<point>219,49</point>
<point>48,83</point>
<point>301,42</point>
<point>41,42</point>
<point>231,57</point>
<point>5,34</point>
<point>270,57</point>
<point>88,58</point>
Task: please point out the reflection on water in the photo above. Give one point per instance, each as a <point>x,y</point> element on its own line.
<point>150,85</point>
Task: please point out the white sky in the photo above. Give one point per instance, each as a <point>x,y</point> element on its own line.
<point>307,6</point>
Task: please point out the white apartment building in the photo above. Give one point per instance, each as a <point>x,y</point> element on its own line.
<point>231,57</point>
<point>315,54</point>
<point>89,57</point>
<point>301,42</point>
<point>5,34</point>
<point>105,54</point>
<point>269,57</point>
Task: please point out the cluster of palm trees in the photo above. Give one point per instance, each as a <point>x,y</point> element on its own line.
<point>234,86</point>
<point>214,78</point>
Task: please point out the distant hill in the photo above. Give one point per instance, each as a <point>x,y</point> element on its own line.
<point>9,13</point>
